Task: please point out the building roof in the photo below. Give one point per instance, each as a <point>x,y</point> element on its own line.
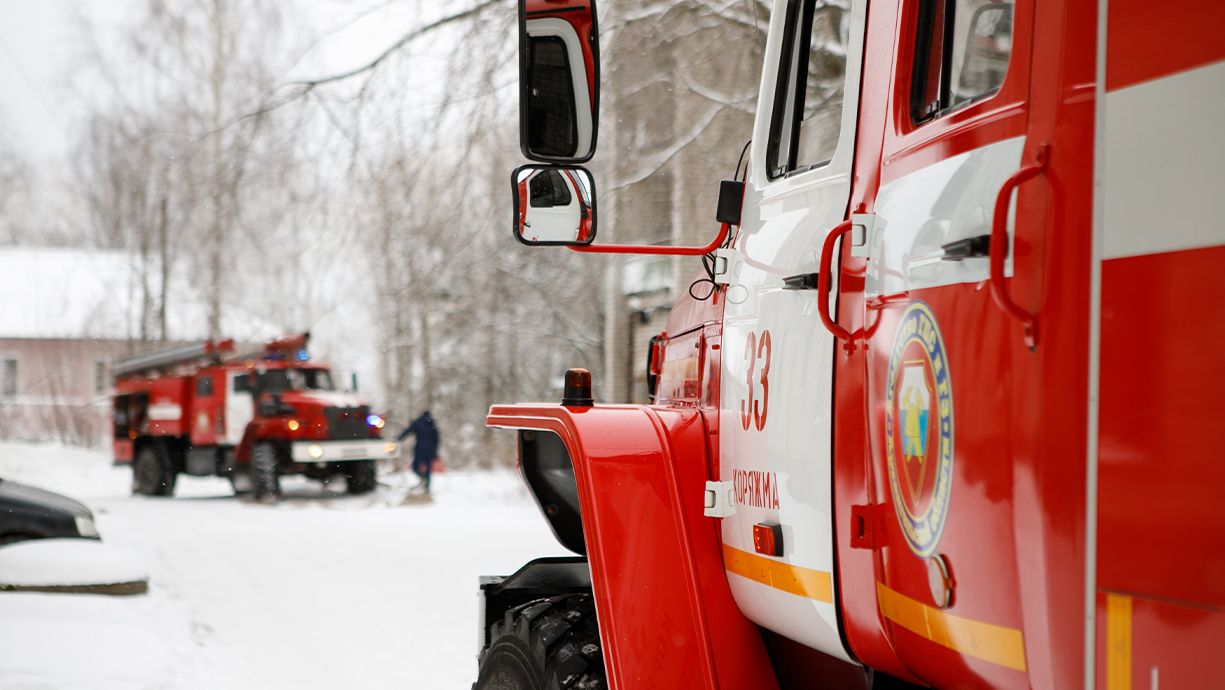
<point>81,293</point>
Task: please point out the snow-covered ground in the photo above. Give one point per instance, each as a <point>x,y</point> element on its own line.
<point>321,591</point>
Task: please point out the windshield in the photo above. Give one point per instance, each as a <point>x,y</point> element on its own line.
<point>281,380</point>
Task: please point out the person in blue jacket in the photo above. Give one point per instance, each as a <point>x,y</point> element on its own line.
<point>426,449</point>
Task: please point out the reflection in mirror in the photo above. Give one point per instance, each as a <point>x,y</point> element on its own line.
<point>559,80</point>
<point>554,205</point>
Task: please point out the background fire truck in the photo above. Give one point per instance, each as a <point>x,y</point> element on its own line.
<point>946,417</point>
<point>203,410</point>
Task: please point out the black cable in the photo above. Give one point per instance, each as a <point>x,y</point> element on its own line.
<point>741,160</point>
<point>708,260</point>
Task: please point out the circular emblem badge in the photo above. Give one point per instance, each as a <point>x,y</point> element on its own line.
<point>919,428</point>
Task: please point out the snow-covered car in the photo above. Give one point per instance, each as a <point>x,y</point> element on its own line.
<point>27,512</point>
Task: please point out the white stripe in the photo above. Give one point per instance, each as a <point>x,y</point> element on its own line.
<point>162,412</point>
<point>1165,160</point>
<point>953,199</point>
<point>1089,652</point>
<point>334,398</point>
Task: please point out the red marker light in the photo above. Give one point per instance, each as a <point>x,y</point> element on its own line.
<point>768,539</point>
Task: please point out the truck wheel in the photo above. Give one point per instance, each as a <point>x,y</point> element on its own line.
<point>360,476</point>
<point>152,472</point>
<point>547,644</point>
<point>263,472</point>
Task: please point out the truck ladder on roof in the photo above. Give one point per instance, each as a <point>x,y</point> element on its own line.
<point>163,359</point>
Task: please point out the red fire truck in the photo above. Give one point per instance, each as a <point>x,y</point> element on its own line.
<point>948,415</point>
<point>203,410</point>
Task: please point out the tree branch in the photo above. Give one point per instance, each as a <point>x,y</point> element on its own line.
<point>398,45</point>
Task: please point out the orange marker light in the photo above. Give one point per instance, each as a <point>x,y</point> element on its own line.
<point>293,425</point>
<point>577,392</point>
<point>768,539</point>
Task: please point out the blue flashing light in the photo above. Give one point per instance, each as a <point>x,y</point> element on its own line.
<point>374,420</point>
<point>303,355</point>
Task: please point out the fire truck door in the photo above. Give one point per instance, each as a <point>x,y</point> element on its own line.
<point>239,407</point>
<point>777,360</point>
<point>205,410</point>
<point>553,208</point>
<point>940,351</point>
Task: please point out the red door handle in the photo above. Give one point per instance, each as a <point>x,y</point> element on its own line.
<point>999,246</point>
<point>824,270</point>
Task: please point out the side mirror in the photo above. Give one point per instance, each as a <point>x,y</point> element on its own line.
<point>559,80</point>
<point>554,205</point>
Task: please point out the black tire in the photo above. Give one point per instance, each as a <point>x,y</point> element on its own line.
<point>360,476</point>
<point>547,644</point>
<point>264,472</point>
<point>153,473</point>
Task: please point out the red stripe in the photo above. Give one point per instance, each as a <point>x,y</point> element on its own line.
<point>1161,530</point>
<point>1148,40</point>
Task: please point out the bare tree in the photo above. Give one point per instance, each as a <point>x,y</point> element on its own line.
<point>378,194</point>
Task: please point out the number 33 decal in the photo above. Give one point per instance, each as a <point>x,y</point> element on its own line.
<point>753,409</point>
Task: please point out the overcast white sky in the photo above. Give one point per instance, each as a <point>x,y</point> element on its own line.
<point>35,41</point>
<point>39,45</point>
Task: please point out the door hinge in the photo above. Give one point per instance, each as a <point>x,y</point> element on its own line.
<point>720,501</point>
<point>727,265</point>
<point>864,227</point>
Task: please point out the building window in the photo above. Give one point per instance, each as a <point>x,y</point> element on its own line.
<point>100,377</point>
<point>8,378</point>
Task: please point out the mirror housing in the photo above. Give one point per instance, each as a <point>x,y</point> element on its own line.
<point>554,205</point>
<point>559,80</point>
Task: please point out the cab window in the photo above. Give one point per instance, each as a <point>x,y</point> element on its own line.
<point>561,192</point>
<point>961,54</point>
<point>547,189</point>
<point>540,190</point>
<point>318,380</point>
<point>811,83</point>
<point>204,387</point>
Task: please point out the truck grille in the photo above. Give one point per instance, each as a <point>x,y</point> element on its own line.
<point>347,422</point>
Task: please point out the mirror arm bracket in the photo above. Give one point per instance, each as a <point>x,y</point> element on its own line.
<point>667,250</point>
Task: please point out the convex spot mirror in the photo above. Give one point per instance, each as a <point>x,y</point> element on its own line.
<point>559,78</point>
<point>554,205</point>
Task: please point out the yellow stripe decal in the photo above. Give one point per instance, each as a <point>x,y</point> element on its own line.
<point>804,582</point>
<point>995,644</point>
<point>1118,642</point>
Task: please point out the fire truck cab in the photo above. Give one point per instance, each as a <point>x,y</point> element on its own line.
<point>947,418</point>
<point>553,206</point>
<point>202,410</point>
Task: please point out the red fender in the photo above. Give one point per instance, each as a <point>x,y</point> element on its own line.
<point>666,614</point>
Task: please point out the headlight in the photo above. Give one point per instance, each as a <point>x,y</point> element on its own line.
<point>315,451</point>
<point>390,448</point>
<point>85,526</point>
